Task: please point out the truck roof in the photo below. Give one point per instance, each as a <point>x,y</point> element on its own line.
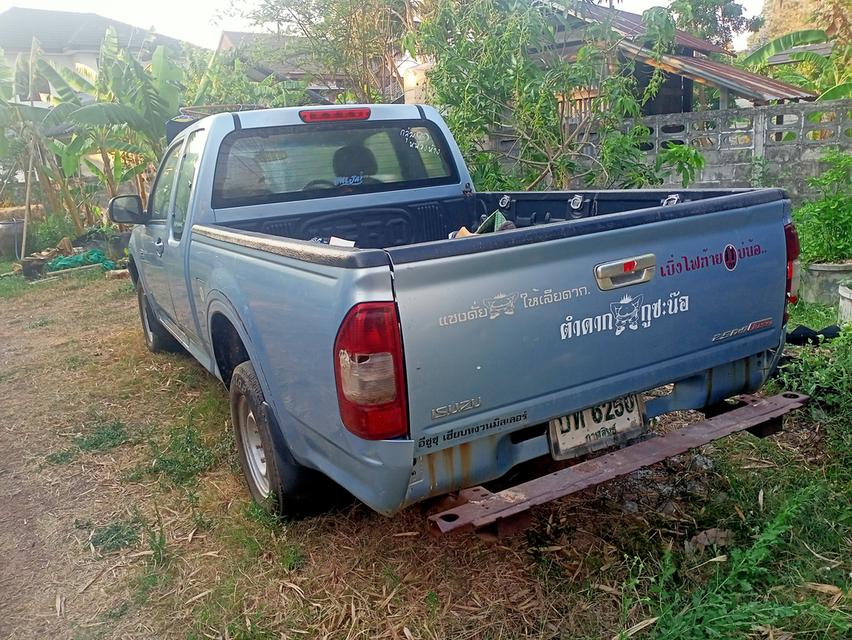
<point>283,116</point>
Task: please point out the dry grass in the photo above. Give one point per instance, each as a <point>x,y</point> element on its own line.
<point>196,560</point>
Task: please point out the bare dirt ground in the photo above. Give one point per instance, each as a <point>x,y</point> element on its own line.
<point>124,515</point>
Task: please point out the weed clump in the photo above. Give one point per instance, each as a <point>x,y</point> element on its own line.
<point>184,456</point>
<point>117,534</point>
<point>103,436</point>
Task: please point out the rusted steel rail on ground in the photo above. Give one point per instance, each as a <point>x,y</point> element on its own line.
<point>504,512</point>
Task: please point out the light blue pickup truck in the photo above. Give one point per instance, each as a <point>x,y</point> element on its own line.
<point>309,258</point>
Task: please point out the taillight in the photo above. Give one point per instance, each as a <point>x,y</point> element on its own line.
<point>369,372</point>
<point>791,238</point>
<point>333,115</point>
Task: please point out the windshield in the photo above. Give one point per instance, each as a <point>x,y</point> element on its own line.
<point>279,164</point>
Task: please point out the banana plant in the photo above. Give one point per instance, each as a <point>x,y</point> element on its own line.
<point>830,77</point>
<point>126,120</point>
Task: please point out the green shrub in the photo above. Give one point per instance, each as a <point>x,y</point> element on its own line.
<point>825,374</point>
<point>825,225</point>
<point>46,233</point>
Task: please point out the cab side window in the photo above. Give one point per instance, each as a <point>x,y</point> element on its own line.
<point>161,195</point>
<point>185,179</point>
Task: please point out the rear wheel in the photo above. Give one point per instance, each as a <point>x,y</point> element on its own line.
<point>275,480</point>
<point>157,337</point>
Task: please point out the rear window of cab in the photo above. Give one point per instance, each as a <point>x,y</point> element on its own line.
<point>300,162</point>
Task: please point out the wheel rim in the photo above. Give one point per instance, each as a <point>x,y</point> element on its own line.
<point>253,447</point>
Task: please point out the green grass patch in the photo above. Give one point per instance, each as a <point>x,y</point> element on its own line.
<point>118,534</point>
<point>144,584</point>
<point>815,316</point>
<point>117,612</point>
<point>738,594</point>
<point>254,511</point>
<point>184,456</point>
<point>103,436</point>
<point>291,558</point>
<point>99,437</point>
<point>62,457</point>
<point>222,611</point>
<point>824,372</point>
<point>12,287</point>
<point>76,361</point>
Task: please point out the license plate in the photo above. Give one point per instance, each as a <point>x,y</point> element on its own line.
<point>597,427</point>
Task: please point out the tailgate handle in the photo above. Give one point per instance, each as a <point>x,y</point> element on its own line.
<point>625,272</point>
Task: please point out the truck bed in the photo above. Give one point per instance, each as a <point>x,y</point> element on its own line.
<point>433,220</point>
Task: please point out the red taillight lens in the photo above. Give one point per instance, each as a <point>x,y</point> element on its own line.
<point>332,115</point>
<point>369,372</point>
<point>791,238</point>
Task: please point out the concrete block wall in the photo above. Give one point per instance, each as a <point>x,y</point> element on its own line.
<point>774,146</point>
<point>762,146</point>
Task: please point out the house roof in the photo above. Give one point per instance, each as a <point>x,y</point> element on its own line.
<point>286,57</point>
<point>66,31</point>
<point>820,48</point>
<point>631,25</point>
<point>283,55</point>
<point>705,71</point>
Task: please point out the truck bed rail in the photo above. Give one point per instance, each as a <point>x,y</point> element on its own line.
<point>499,514</point>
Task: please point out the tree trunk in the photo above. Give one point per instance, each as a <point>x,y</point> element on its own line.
<point>70,206</point>
<point>46,186</point>
<point>111,186</point>
<point>27,202</point>
<point>140,188</point>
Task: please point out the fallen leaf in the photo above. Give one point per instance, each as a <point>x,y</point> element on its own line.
<point>607,589</point>
<point>760,500</point>
<point>830,589</point>
<point>636,628</point>
<point>295,588</point>
<point>713,537</point>
<point>408,634</point>
<point>198,597</point>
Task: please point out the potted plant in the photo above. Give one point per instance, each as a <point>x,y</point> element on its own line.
<point>825,231</point>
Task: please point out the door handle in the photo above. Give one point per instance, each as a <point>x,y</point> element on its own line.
<point>625,272</point>
<point>159,246</point>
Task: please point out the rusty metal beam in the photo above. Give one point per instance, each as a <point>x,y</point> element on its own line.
<point>485,511</point>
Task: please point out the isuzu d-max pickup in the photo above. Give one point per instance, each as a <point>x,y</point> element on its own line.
<point>311,259</point>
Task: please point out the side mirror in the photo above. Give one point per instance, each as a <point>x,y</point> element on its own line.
<point>127,210</point>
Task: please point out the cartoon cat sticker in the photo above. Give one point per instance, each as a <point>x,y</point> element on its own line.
<point>625,313</point>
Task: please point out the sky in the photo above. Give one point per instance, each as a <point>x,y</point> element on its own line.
<point>201,22</point>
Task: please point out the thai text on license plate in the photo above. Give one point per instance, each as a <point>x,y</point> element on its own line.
<point>595,427</point>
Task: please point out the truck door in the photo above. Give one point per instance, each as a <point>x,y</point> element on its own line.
<point>180,221</point>
<point>155,234</point>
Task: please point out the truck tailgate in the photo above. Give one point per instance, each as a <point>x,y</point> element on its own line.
<point>508,337</point>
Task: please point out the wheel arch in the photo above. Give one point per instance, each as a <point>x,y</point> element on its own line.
<point>229,345</point>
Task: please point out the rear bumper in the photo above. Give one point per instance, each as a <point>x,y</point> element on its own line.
<point>492,456</point>
<point>495,513</point>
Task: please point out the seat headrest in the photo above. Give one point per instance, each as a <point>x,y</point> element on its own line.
<point>354,160</point>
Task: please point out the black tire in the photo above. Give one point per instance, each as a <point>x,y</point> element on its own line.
<point>157,337</point>
<point>290,490</point>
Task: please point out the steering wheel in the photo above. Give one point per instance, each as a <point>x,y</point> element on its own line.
<point>314,184</point>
